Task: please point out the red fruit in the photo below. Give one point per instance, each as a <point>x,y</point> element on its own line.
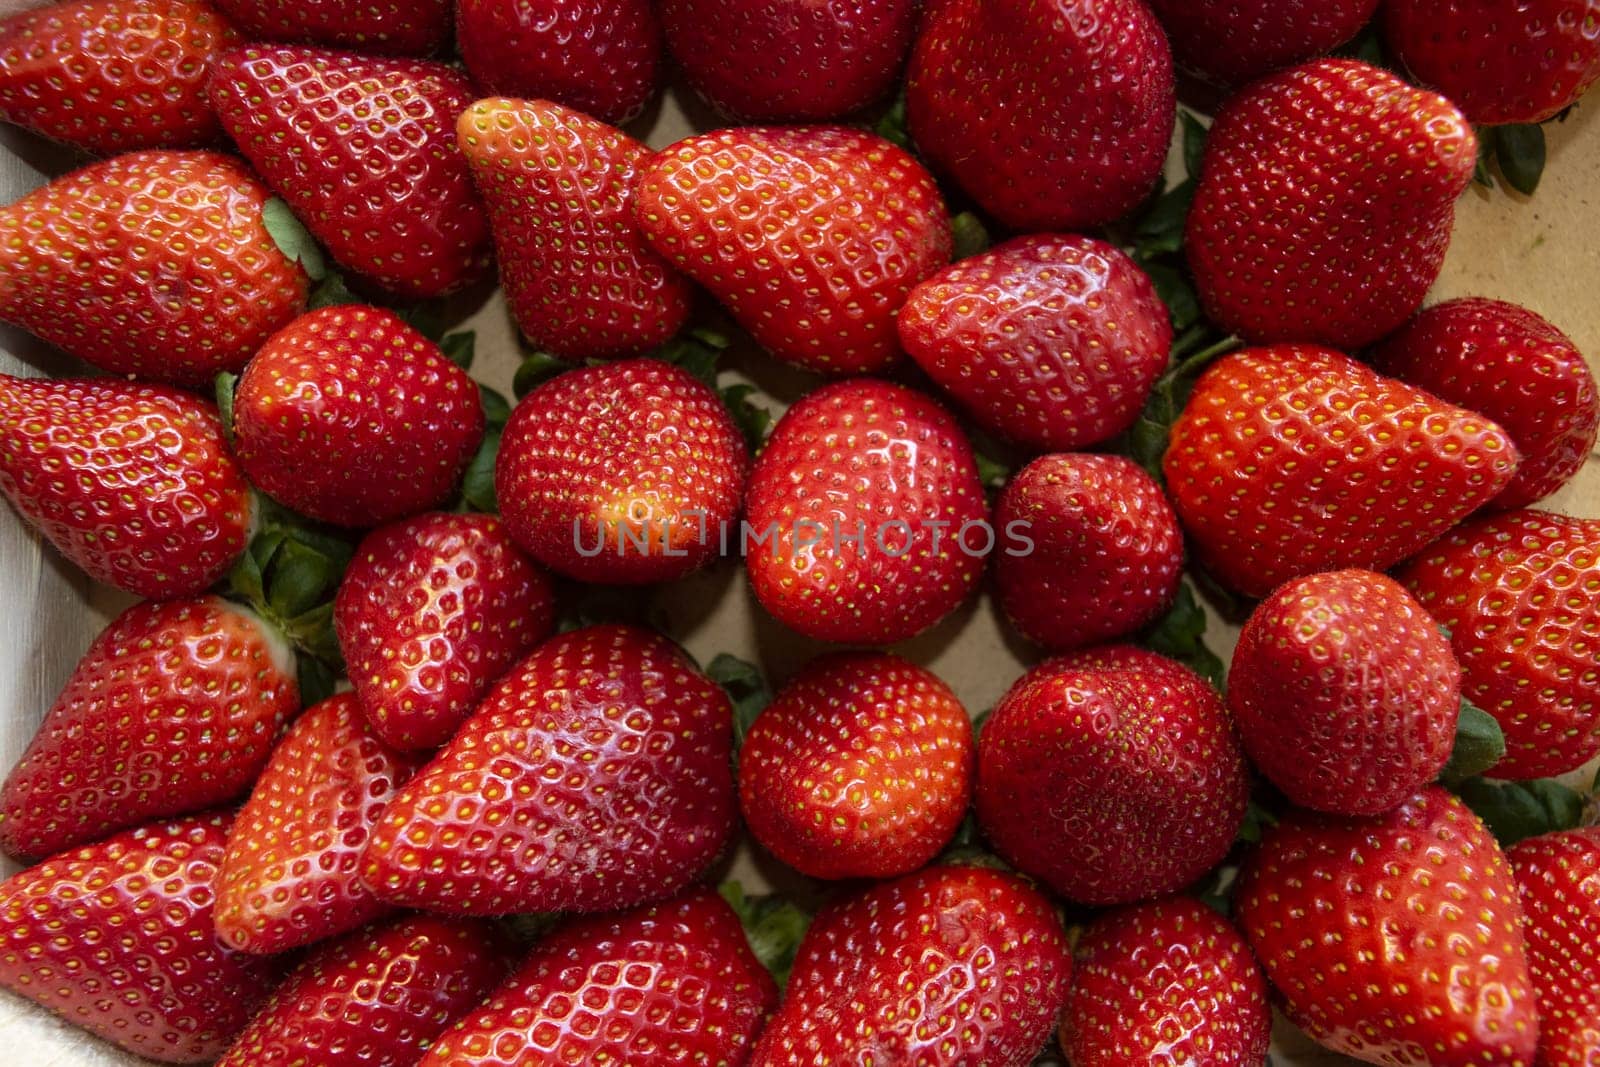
<point>1105,556</point>
<point>951,965</point>
<point>580,279</point>
<point>174,708</point>
<point>1558,877</point>
<point>1396,940</point>
<point>1231,42</point>
<point>363,149</point>
<point>431,612</point>
<point>153,264</point>
<point>811,236</point>
<point>133,483</point>
<point>400,27</point>
<point>595,776</point>
<point>1052,114</point>
<point>350,416</point>
<point>1294,236</point>
<point>861,767</point>
<point>1293,459</point>
<point>1112,774</point>
<point>866,519</point>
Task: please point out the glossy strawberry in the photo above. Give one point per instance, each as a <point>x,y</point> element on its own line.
<point>431,612</point>
<point>1294,236</point>
<point>1293,459</point>
<point>1558,878</point>
<point>1231,42</point>
<point>400,27</point>
<point>733,209</point>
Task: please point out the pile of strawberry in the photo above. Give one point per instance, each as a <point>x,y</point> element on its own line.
<point>494,845</point>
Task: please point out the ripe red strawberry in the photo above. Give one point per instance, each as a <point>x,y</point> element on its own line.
<point>1053,114</point>
<point>1106,552</point>
<point>626,472</point>
<point>598,56</point>
<point>364,150</point>
<point>116,938</point>
<point>1294,459</point>
<point>431,612</point>
<point>811,236</point>
<point>1165,983</point>
<point>1112,774</point>
<point>350,416</point>
<point>595,776</point>
<point>1511,365</point>
<point>1517,593</point>
<point>1558,877</point>
<point>580,279</point>
<point>153,264</point>
<point>1052,341</point>
<point>1396,940</point>
<point>1294,236</point>
<point>174,708</point>
<point>951,965</point>
<point>861,767</point>
<point>133,483</point>
<point>1229,42</point>
<point>399,27</point>
<point>867,523</point>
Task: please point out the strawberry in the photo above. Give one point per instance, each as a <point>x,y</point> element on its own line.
<point>1294,235</point>
<point>400,27</point>
<point>860,515</point>
<point>1395,940</point>
<point>1053,342</point>
<point>174,708</point>
<point>1511,365</point>
<point>1170,982</point>
<point>350,416</point>
<point>431,612</point>
<point>860,768</point>
<point>1052,114</point>
<point>626,472</point>
<point>154,264</point>
<point>951,965</point>
<point>363,149</point>
<point>1294,459</point>
<point>1106,552</point>
<point>1516,592</point>
<point>580,279</point>
<point>116,939</point>
<point>111,76</point>
<point>1229,42</point>
<point>1112,774</point>
<point>733,209</point>
<point>593,777</point>
<point>1558,878</point>
<point>133,483</point>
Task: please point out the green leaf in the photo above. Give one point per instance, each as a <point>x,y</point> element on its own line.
<point>752,419</point>
<point>1518,810</point>
<point>496,408</point>
<point>746,687</point>
<point>460,347</point>
<point>992,474</point>
<point>1160,231</point>
<point>225,385</point>
<point>1180,635</point>
<point>298,578</point>
<point>1147,438</point>
<point>1258,819</point>
<point>316,679</point>
<point>293,239</point>
<point>245,580</point>
<point>331,293</point>
<point>477,485</point>
<point>970,235</point>
<point>1194,142</point>
<point>1175,291</point>
<point>429,320</point>
<point>1479,745</point>
<point>313,632</point>
<point>773,925</point>
<point>536,369</point>
<point>1520,148</point>
<point>1481,172</point>
<point>697,351</point>
<point>527,929</point>
<point>892,126</point>
<point>1368,47</point>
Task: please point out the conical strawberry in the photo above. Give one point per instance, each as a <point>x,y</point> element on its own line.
<point>399,27</point>
<point>1558,878</point>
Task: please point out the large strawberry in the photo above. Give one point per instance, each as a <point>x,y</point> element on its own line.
<point>1292,459</point>
<point>154,264</point>
<point>1231,42</point>
<point>364,150</point>
<point>1053,114</point>
<point>402,27</point>
<point>810,235</point>
<point>1396,940</point>
<point>1294,235</point>
<point>1558,877</point>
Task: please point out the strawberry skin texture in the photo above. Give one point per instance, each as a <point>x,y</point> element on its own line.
<point>1293,459</point>
<point>1052,114</point>
<point>1516,592</point>
<point>174,708</point>
<point>735,208</point>
<point>1052,342</point>
<point>1113,775</point>
<point>398,27</point>
<point>580,279</point>
<point>948,967</point>
<point>116,939</point>
<point>595,776</point>
<point>363,150</point>
<point>1294,235</point>
<point>430,613</point>
<point>1558,877</point>
<point>133,483</point>
<point>1395,940</point>
<point>153,264</point>
<point>861,767</point>
<point>1231,42</point>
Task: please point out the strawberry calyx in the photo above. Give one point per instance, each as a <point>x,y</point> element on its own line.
<point>747,688</point>
<point>1479,745</point>
<point>1180,635</point>
<point>1517,810</point>
<point>774,926</point>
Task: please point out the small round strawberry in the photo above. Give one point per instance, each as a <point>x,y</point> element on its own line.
<point>1558,877</point>
<point>1104,553</point>
<point>398,27</point>
<point>1231,42</point>
<point>350,416</point>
